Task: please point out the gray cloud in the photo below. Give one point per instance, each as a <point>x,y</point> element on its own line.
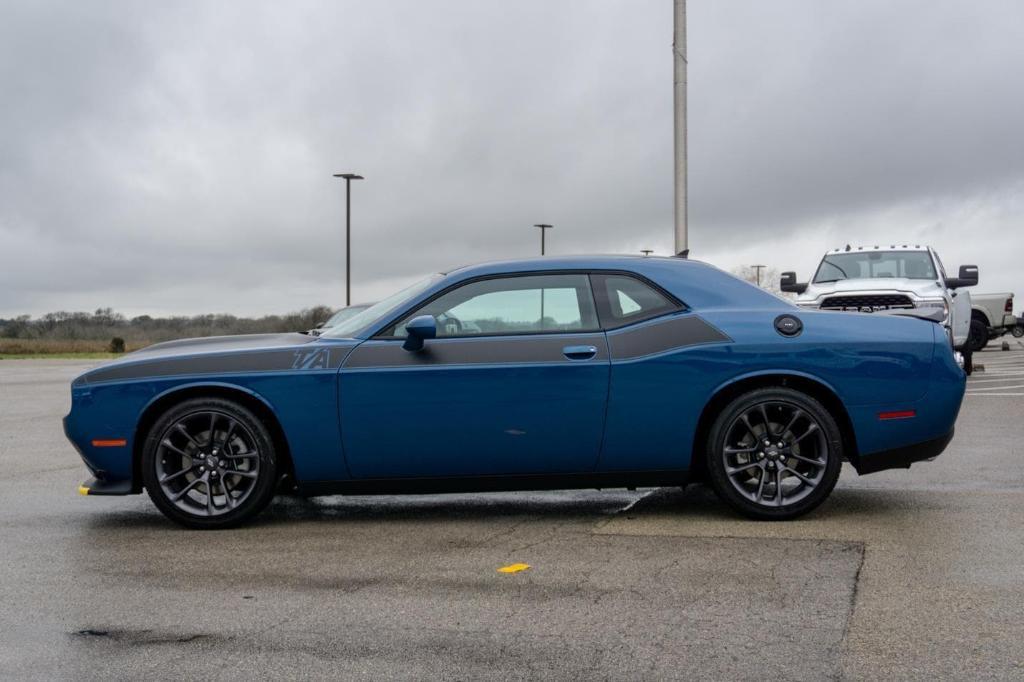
<point>177,157</point>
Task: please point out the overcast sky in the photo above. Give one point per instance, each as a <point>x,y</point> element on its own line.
<point>177,157</point>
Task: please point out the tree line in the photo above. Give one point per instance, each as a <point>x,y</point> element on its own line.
<point>105,324</point>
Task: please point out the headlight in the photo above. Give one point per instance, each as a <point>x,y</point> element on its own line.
<point>936,305</point>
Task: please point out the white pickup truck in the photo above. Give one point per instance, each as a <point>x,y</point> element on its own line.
<point>868,279</point>
<point>991,317</point>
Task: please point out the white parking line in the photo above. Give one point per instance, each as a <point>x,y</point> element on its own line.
<point>997,388</point>
<point>1011,376</point>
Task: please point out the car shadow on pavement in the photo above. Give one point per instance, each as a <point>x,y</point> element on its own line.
<point>697,502</point>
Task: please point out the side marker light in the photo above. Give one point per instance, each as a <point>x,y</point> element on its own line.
<point>109,443</point>
<point>898,414</point>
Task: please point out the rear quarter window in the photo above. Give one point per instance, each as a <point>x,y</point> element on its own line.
<point>623,300</point>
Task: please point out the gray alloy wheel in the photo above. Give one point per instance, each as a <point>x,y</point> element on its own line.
<point>1018,331</point>
<point>774,453</point>
<point>209,463</point>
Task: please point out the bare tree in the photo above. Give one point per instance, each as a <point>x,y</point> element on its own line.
<point>769,278</point>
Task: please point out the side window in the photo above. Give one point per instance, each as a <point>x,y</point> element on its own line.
<point>512,305</point>
<point>624,300</point>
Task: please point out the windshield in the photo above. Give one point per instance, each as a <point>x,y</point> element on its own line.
<point>875,264</point>
<point>377,311</point>
<point>344,314</point>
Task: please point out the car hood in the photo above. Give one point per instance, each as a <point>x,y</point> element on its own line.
<point>221,344</point>
<point>922,288</point>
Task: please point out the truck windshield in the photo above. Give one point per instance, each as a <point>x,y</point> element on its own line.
<point>873,264</point>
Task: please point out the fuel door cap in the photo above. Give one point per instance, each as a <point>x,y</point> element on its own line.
<point>788,325</point>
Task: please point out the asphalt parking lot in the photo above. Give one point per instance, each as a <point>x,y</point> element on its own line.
<point>901,575</point>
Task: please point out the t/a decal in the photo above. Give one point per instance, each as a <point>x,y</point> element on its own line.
<point>319,358</point>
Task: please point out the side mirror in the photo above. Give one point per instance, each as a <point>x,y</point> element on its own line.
<point>968,277</point>
<point>419,330</point>
<point>788,283</point>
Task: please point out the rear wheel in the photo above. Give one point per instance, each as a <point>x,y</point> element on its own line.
<point>209,463</point>
<point>1018,331</point>
<point>774,454</point>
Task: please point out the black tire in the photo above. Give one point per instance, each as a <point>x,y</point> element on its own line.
<point>977,338</point>
<point>254,471</point>
<point>775,403</point>
<point>1017,331</point>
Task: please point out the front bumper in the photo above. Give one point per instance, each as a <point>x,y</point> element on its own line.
<point>94,486</point>
<point>902,458</point>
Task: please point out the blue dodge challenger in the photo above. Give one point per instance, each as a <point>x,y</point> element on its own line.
<point>535,374</point>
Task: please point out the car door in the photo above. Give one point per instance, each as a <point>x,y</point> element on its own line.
<point>515,383</point>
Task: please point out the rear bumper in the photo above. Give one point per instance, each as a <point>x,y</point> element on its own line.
<point>902,458</point>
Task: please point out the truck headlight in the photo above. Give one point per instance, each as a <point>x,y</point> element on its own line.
<point>936,305</point>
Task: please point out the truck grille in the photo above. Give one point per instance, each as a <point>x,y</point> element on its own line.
<point>869,301</point>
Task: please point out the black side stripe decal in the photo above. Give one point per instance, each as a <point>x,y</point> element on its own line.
<point>660,336</point>
<point>474,351</point>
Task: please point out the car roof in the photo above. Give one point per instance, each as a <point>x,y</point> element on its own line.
<point>594,262</point>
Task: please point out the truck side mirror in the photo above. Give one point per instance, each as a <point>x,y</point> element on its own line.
<point>968,277</point>
<point>788,283</point>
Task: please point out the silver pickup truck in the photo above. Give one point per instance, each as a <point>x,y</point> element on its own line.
<point>991,317</point>
<point>870,279</point>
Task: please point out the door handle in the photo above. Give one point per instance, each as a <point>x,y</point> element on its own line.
<point>579,352</point>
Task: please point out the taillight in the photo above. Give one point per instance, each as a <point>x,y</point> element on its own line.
<point>1009,306</point>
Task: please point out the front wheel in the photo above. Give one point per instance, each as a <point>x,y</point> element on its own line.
<point>209,463</point>
<point>774,454</point>
<point>1018,331</point>
<point>977,337</point>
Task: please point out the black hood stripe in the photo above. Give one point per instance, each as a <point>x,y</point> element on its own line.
<point>304,358</point>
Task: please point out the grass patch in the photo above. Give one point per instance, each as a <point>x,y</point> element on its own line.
<point>60,356</point>
<point>75,348</point>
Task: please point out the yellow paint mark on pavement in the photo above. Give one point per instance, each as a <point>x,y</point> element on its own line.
<point>513,568</point>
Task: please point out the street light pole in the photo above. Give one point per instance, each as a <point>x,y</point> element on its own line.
<point>759,268</point>
<point>679,62</point>
<point>349,177</point>
<point>543,227</point>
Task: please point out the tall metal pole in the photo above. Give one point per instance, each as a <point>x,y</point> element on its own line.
<point>348,242</point>
<point>349,177</point>
<point>543,227</point>
<point>679,57</point>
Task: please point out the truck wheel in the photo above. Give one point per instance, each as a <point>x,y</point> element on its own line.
<point>968,361</point>
<point>978,336</point>
<point>1018,331</point>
